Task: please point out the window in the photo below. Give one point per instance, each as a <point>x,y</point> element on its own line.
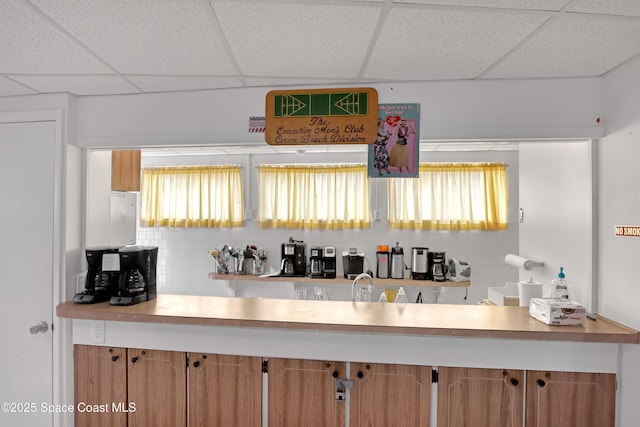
<point>451,196</point>
<point>314,196</point>
<point>192,196</point>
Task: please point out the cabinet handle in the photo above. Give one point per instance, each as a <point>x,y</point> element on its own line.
<point>114,358</point>
<point>360,374</point>
<point>335,374</point>
<point>514,382</point>
<point>196,364</point>
<point>541,383</point>
<point>134,359</point>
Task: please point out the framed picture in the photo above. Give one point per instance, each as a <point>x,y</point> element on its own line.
<point>396,150</point>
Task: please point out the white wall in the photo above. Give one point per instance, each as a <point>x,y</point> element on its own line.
<point>555,195</point>
<point>475,110</point>
<point>619,204</point>
<point>184,261</point>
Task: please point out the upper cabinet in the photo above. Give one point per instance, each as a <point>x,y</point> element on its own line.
<point>125,170</point>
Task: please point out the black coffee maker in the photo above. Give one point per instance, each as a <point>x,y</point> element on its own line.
<point>294,259</point>
<point>137,275</point>
<point>315,261</point>
<point>329,262</point>
<point>103,273</point>
<point>439,268</point>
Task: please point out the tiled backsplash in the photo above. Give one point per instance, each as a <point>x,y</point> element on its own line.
<point>184,261</point>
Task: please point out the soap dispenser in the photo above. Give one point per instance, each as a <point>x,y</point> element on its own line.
<point>560,286</point>
<point>401,297</point>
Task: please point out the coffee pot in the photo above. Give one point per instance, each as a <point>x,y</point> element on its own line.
<point>397,262</point>
<point>439,268</point>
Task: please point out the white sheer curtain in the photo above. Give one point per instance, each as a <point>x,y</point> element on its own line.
<point>451,196</point>
<point>333,196</point>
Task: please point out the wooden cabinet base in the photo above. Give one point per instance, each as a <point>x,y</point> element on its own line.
<point>303,393</point>
<point>100,381</point>
<point>390,395</point>
<point>225,390</point>
<point>480,397</point>
<point>570,399</point>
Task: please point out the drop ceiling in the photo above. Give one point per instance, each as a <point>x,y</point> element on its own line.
<point>98,47</point>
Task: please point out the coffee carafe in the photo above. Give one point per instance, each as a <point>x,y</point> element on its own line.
<point>137,275</point>
<point>397,262</point>
<point>103,272</point>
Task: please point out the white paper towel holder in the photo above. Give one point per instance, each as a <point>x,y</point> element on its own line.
<point>520,262</point>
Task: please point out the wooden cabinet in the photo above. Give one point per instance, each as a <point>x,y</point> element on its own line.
<point>494,397</point>
<point>303,393</point>
<point>157,384</point>
<point>570,399</point>
<point>129,387</point>
<point>224,390</point>
<point>390,395</point>
<point>480,397</point>
<point>100,378</point>
<point>125,170</point>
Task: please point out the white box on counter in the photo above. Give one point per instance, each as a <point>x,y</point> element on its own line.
<point>556,311</point>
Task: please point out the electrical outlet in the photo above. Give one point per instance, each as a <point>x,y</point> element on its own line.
<point>97,332</point>
<point>247,214</point>
<point>377,215</point>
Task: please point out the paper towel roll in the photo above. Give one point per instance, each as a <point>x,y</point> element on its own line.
<point>520,262</point>
<point>528,290</point>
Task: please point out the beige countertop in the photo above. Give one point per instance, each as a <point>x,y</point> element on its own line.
<point>340,280</point>
<point>479,321</point>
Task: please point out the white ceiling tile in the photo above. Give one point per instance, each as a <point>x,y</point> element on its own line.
<point>30,44</point>
<point>607,7</point>
<point>572,46</point>
<point>446,44</point>
<point>288,40</point>
<point>546,5</point>
<point>79,85</point>
<point>145,36</point>
<point>10,88</point>
<point>293,81</point>
<point>176,83</point>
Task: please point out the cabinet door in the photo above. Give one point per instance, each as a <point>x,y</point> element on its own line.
<point>480,397</point>
<point>303,393</point>
<point>125,170</point>
<point>570,399</point>
<point>225,390</point>
<point>100,380</point>
<point>158,388</point>
<point>390,395</point>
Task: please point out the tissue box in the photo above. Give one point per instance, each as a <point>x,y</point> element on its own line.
<point>556,311</point>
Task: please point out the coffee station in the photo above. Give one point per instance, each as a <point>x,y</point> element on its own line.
<point>121,275</point>
<point>329,273</point>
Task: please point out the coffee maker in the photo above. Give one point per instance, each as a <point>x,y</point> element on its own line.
<point>103,272</point>
<point>352,262</point>
<point>315,261</point>
<point>294,259</point>
<point>329,262</point>
<point>439,267</point>
<point>419,263</point>
<point>137,275</point>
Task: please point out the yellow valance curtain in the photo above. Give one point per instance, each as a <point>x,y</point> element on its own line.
<point>314,196</point>
<point>451,196</point>
<point>192,196</point>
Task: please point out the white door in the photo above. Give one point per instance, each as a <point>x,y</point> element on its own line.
<point>26,272</point>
